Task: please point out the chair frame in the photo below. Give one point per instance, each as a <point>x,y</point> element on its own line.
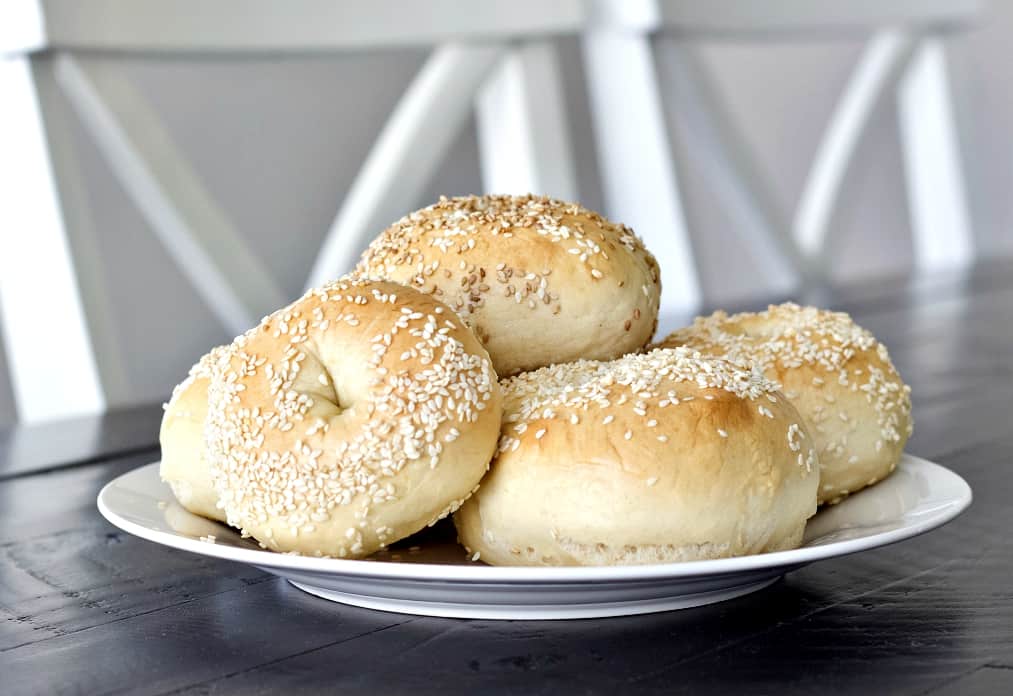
<point>904,54</point>
<point>494,58</point>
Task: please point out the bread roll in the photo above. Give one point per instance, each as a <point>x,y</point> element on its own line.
<point>650,458</point>
<point>184,466</point>
<point>835,372</point>
<point>540,281</point>
<point>355,416</point>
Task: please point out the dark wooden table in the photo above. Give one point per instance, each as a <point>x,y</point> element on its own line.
<point>85,608</point>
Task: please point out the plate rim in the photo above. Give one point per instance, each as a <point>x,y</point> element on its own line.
<point>483,574</point>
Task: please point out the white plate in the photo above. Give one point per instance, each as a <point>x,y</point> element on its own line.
<point>429,574</point>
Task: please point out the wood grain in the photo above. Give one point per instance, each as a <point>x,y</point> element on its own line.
<point>77,441</point>
<point>87,609</point>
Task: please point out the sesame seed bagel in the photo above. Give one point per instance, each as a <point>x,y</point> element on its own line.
<point>651,458</point>
<point>835,372</point>
<point>540,281</point>
<point>184,466</point>
<point>355,416</point>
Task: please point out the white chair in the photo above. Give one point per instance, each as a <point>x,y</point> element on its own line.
<point>496,57</point>
<point>641,175</point>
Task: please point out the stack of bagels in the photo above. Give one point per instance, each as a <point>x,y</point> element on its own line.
<point>489,359</point>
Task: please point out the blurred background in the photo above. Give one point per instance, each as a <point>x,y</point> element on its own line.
<point>278,141</point>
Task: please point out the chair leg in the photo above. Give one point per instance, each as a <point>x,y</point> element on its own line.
<point>411,144</point>
<point>937,197</point>
<point>638,173</point>
<point>523,133</point>
<point>89,262</point>
<point>49,349</point>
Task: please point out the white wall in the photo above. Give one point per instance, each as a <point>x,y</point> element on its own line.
<point>278,141</point>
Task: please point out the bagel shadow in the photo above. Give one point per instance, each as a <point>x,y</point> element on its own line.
<point>786,632</point>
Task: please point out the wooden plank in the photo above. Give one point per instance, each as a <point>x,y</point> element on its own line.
<point>23,28</point>
<point>25,449</point>
<point>707,131</point>
<point>640,183</point>
<point>879,67</point>
<point>63,569</point>
<point>889,621</point>
<point>266,26</point>
<point>85,608</point>
<point>198,236</point>
<point>523,131</point>
<point>746,17</point>
<point>937,196</point>
<point>35,232</point>
<point>987,679</point>
<point>406,153</point>
<point>189,641</point>
<point>90,265</point>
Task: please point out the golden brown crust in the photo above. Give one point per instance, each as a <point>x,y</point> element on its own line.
<point>351,418</point>
<point>184,466</point>
<point>837,375</point>
<point>648,458</point>
<point>540,281</point>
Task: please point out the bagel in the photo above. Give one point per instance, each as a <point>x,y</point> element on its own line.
<point>355,416</point>
<point>835,372</point>
<point>184,466</point>
<point>651,458</point>
<point>540,281</point>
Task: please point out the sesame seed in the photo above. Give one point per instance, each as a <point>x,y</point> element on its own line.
<point>651,481</point>
<point>722,432</point>
<point>294,479</point>
<point>794,336</point>
<point>410,250</point>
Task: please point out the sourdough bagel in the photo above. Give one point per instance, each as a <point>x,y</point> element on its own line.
<point>540,281</point>
<point>650,458</point>
<point>835,372</point>
<point>184,466</point>
<point>351,418</point>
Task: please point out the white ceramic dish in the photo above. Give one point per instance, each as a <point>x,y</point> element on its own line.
<point>435,578</point>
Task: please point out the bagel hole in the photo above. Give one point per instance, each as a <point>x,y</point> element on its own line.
<point>329,393</point>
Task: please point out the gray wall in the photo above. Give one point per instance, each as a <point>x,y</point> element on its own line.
<point>278,142</point>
